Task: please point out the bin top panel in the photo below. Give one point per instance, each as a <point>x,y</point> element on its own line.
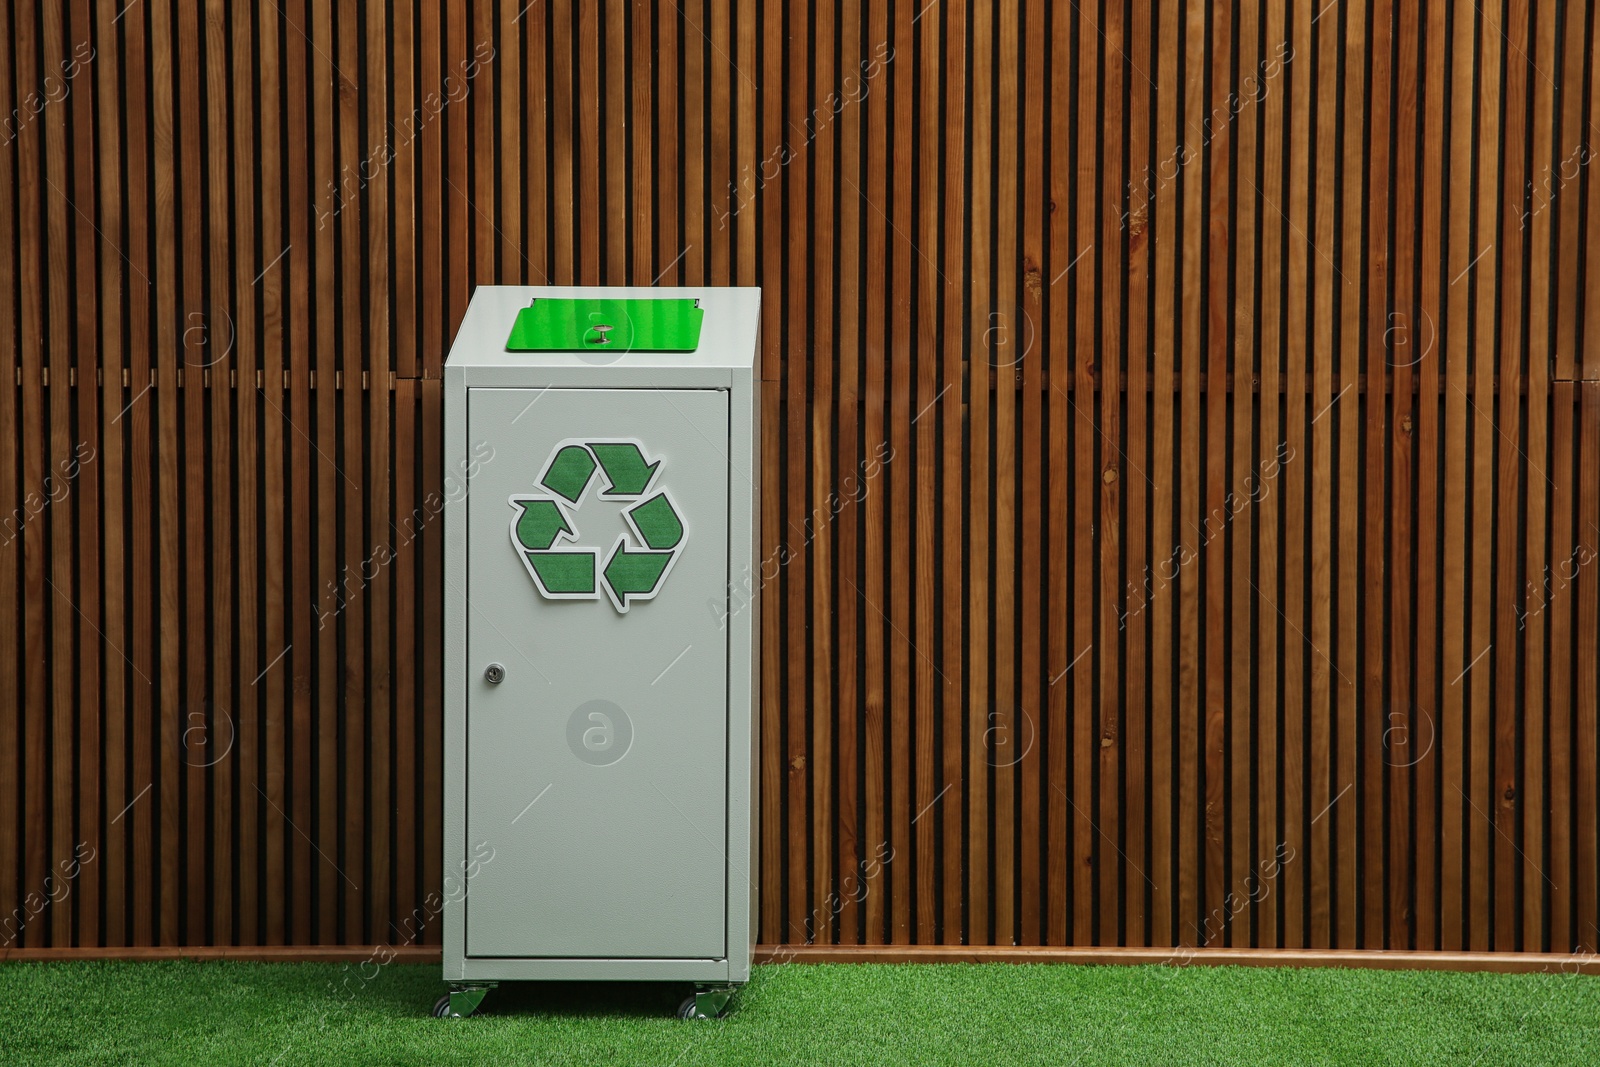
<point>727,336</point>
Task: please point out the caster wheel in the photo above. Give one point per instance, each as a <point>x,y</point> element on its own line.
<point>713,1005</point>
<point>460,1002</point>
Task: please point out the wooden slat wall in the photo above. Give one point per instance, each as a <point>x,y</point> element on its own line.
<point>1182,441</point>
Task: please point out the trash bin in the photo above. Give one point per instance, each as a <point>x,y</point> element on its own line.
<point>601,671</point>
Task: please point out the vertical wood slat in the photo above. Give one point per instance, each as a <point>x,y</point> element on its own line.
<point>820,510</point>
<point>1243,490</point>
<point>1370,325</point>
<point>430,606</point>
<point>900,348</point>
<point>1401,341</point>
<point>926,441</point>
<point>777,775</point>
<point>1589,612</point>
<point>1088,847</point>
<point>1219,894</point>
<point>1302,876</point>
<point>1271,840</point>
<point>220,732</point>
<point>1456,657</point>
<point>1533,228</point>
<point>191,358</point>
<point>1484,802</point>
<point>847,618</point>
<point>1031,234</point>
<point>1426,653</point>
<point>952,416</point>
<point>11,710</point>
<point>168,558</point>
<point>64,592</point>
<point>372,916</point>
<point>1078,340</point>
<point>1054,717</point>
<point>326,493</point>
<point>247,246</point>
<point>407,833</point>
<point>1115,876</point>
<point>1039,678</point>
<point>1587,780</point>
<point>1503,791</point>
<point>86,360</point>
<point>112,364</point>
<point>276,644</point>
<point>1158,591</point>
<point>792,588</point>
<point>1563,434</point>
<point>979,356</point>
<point>30,303</point>
<point>297,824</point>
<point>1189,695</point>
<point>353,594</point>
<point>1133,621</point>
<point>1570,137</point>
<point>1348,801</point>
<point>1004,715</point>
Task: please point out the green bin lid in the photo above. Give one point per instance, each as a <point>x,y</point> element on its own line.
<point>619,324</point>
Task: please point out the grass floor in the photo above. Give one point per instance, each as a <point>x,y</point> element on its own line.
<point>283,1014</point>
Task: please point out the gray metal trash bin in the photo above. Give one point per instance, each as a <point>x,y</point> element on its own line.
<point>601,671</point>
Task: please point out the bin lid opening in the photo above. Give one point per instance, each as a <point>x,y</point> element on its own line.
<point>607,324</point>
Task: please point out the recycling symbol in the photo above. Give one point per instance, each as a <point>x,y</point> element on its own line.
<point>545,534</point>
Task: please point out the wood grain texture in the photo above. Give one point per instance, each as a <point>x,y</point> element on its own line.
<point>1181,474</point>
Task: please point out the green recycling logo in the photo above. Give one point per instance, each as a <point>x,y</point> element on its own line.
<point>545,534</point>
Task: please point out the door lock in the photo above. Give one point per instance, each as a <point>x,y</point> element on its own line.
<point>494,674</point>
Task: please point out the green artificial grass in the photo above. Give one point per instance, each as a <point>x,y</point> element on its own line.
<point>283,1014</point>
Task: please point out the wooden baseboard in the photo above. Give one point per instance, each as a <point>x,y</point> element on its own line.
<point>1502,962</point>
<point>260,953</point>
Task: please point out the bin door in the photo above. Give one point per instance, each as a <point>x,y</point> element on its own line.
<point>597,764</point>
